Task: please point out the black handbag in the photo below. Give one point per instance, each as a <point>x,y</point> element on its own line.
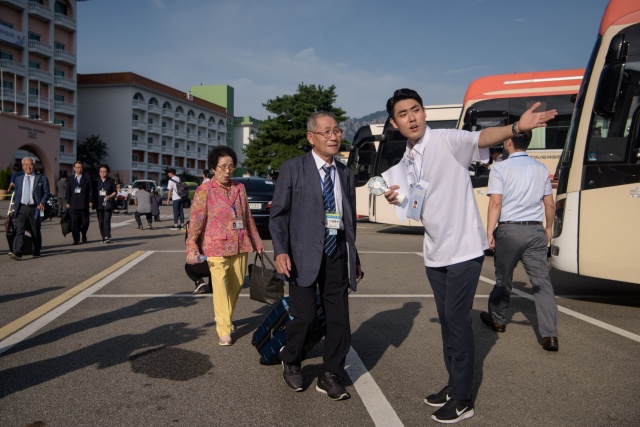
<point>264,286</point>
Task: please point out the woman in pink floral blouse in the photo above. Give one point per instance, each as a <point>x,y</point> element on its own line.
<point>220,212</point>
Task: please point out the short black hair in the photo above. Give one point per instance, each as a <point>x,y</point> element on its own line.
<point>401,95</point>
<point>172,170</point>
<point>221,151</point>
<point>522,140</point>
<point>106,166</point>
<point>206,173</point>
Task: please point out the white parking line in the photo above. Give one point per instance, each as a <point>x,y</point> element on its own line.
<point>577,315</point>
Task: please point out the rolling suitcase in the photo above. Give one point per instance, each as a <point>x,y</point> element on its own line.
<point>271,335</point>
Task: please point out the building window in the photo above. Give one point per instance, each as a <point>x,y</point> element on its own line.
<point>164,162</point>
<point>134,137</point>
<point>58,98</point>
<point>150,120</point>
<point>59,46</point>
<point>188,148</point>
<point>5,24</point>
<point>34,64</point>
<point>199,150</point>
<point>6,55</point>
<point>34,36</point>
<point>62,148</point>
<point>58,122</point>
<point>188,131</point>
<point>150,140</point>
<point>188,164</point>
<point>7,84</point>
<point>134,157</point>
<point>34,116</point>
<point>33,91</point>
<point>176,145</point>
<point>61,8</point>
<point>164,142</point>
<point>58,72</point>
<point>164,125</point>
<point>175,127</point>
<point>134,116</point>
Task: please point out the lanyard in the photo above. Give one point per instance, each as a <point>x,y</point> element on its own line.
<point>411,159</point>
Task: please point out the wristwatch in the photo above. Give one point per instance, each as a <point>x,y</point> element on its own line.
<point>513,129</point>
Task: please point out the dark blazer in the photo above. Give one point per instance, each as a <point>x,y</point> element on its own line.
<point>109,186</point>
<point>297,218</point>
<point>79,201</point>
<point>41,191</point>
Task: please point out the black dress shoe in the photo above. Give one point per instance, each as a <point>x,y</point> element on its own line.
<point>84,239</point>
<point>488,320</point>
<point>550,343</point>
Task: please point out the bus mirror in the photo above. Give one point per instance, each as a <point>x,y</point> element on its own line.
<point>470,119</point>
<point>608,90</point>
<point>617,49</point>
<point>573,98</point>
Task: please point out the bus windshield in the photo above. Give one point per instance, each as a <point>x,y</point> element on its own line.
<point>500,112</point>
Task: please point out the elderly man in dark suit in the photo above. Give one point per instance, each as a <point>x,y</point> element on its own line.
<point>32,193</point>
<point>79,201</point>
<point>313,229</point>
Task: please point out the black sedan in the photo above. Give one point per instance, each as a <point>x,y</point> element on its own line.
<point>259,195</point>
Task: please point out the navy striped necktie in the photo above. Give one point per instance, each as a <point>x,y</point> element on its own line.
<point>330,240</point>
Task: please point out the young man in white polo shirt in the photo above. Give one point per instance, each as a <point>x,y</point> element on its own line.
<point>437,162</point>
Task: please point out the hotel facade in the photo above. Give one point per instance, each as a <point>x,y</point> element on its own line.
<point>149,126</point>
<point>38,96</point>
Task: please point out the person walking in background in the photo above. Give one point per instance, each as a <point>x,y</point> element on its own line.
<point>31,194</point>
<point>173,198</point>
<point>17,170</point>
<point>79,201</point>
<point>143,200</point>
<point>220,214</point>
<point>156,199</point>
<point>104,195</point>
<point>62,187</point>
<point>206,176</point>
<point>313,229</point>
<point>518,187</point>
<point>436,162</point>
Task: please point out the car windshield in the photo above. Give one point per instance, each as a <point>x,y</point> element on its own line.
<point>259,185</point>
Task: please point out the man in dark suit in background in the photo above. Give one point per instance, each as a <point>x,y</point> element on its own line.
<point>313,229</point>
<point>79,202</point>
<point>32,192</point>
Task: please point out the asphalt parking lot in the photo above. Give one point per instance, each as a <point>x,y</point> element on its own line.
<point>110,335</point>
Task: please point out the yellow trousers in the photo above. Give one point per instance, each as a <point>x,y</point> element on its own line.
<point>227,277</point>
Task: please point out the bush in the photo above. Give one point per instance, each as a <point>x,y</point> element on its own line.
<point>5,178</point>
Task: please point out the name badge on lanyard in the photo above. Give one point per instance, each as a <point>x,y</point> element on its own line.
<point>332,222</point>
<point>78,190</point>
<point>103,192</point>
<point>416,200</point>
<point>237,224</point>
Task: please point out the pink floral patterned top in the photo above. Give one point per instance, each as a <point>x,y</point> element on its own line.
<point>213,212</point>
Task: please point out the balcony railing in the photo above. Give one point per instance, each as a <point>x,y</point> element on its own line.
<point>65,107</point>
<point>137,124</point>
<point>180,116</point>
<point>64,56</point>
<point>139,104</point>
<point>12,66</point>
<point>9,95</point>
<point>139,145</point>
<point>19,3</point>
<point>67,158</point>
<point>68,133</point>
<point>155,108</point>
<point>153,128</point>
<point>65,21</point>
<point>64,82</point>
<point>40,10</point>
<point>43,76</point>
<point>41,101</point>
<point>39,47</point>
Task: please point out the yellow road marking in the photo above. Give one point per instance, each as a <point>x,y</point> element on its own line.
<point>23,321</point>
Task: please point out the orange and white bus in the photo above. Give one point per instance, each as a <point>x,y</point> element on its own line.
<point>596,229</point>
<point>376,148</point>
<point>501,99</point>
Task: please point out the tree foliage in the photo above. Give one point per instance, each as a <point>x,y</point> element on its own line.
<point>92,151</point>
<point>284,136</point>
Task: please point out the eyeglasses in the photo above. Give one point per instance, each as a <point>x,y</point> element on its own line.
<point>225,168</point>
<point>327,134</point>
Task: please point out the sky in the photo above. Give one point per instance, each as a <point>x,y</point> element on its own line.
<point>366,49</point>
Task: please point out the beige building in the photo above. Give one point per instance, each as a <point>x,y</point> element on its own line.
<point>38,75</point>
<point>148,126</point>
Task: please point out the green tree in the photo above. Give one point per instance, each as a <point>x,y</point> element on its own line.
<point>284,136</point>
<point>92,151</point>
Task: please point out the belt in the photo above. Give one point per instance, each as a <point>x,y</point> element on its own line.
<point>521,222</point>
<point>22,204</point>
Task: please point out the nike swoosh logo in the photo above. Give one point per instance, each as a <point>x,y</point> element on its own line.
<point>458,413</point>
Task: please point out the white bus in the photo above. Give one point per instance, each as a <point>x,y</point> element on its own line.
<point>375,149</point>
<point>596,229</point>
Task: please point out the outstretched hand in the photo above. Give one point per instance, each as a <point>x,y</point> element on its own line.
<point>531,120</point>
